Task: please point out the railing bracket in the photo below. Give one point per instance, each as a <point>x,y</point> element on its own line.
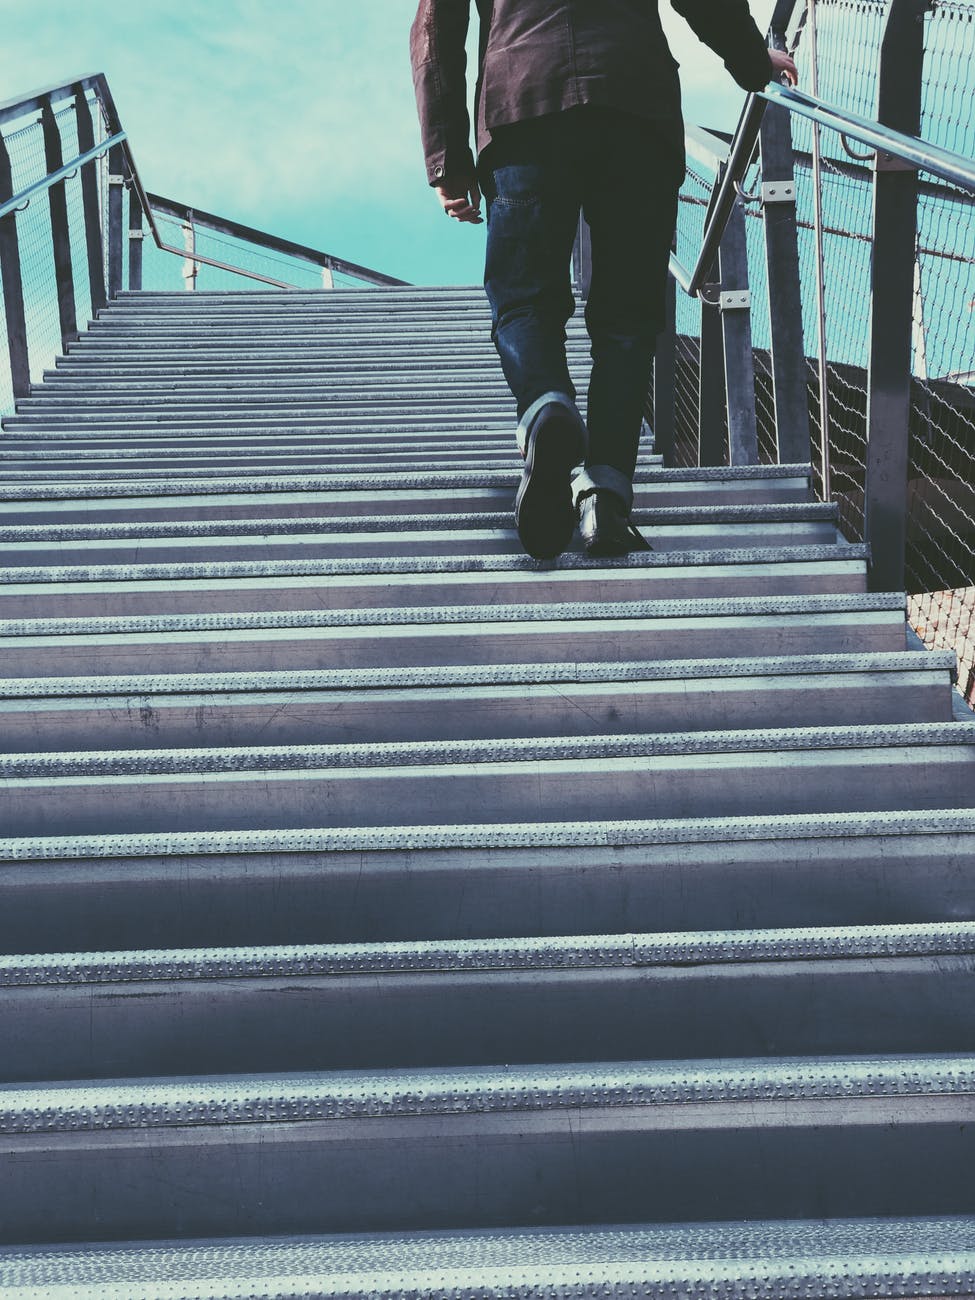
<point>710,294</point>
<point>735,300</point>
<point>888,162</point>
<point>137,234</point>
<point>115,180</point>
<point>778,192</point>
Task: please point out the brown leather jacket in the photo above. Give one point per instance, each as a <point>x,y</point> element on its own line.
<point>543,56</point>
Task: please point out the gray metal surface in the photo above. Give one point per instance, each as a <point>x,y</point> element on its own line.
<point>844,1259</point>
<point>337,986</point>
<point>118,1105</point>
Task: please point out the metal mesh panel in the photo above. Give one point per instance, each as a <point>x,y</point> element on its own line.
<point>162,270</point>
<point>27,163</point>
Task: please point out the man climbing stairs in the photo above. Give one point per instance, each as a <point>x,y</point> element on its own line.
<point>388,913</point>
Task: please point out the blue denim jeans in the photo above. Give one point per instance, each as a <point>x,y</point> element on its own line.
<point>623,173</point>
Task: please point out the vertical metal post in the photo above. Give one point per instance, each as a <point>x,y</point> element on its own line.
<point>736,333</point>
<point>135,240</point>
<point>665,380</point>
<point>789,391</point>
<point>328,280</point>
<point>116,185</point>
<point>817,184</point>
<point>13,288</point>
<point>191,267</point>
<point>90,204</point>
<point>711,392</point>
<point>892,300</point>
<point>60,234</point>
<point>582,258</point>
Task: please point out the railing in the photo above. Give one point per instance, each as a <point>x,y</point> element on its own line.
<point>823,294</point>
<point>67,244</point>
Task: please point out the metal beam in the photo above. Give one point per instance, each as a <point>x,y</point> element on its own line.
<point>13,288</point>
<point>60,232</point>
<point>89,199</point>
<point>116,186</point>
<point>892,303</point>
<point>736,335</point>
<point>665,380</point>
<point>789,389</point>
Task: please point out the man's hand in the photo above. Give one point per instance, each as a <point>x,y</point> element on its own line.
<point>784,65</point>
<point>461,200</point>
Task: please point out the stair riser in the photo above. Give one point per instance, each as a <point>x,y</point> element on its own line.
<point>357,545</point>
<point>739,784</point>
<point>159,722</point>
<point>187,900</point>
<point>238,596</point>
<point>384,1020</point>
<point>374,647</point>
<point>659,1164</point>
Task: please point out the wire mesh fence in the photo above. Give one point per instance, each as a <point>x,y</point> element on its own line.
<point>243,258</point>
<point>940,571</point>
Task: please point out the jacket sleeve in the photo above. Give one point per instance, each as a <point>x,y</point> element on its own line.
<point>729,29</point>
<point>438,53</point>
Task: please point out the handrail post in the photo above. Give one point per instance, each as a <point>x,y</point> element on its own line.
<point>665,379</point>
<point>13,288</point>
<point>711,385</point>
<point>135,240</point>
<point>736,332</point>
<point>892,300</point>
<point>60,233</point>
<point>116,186</point>
<point>790,394</point>
<point>89,199</point>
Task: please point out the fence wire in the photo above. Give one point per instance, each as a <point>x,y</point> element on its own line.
<point>25,146</point>
<point>940,571</point>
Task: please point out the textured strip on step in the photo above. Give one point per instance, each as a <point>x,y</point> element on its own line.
<point>435,753</point>
<point>21,578</point>
<point>581,952</point>
<point>401,481</point>
<point>107,1105</point>
<point>473,675</point>
<point>504,616</point>
<point>845,1259</point>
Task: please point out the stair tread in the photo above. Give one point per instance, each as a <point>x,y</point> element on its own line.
<point>567,835</point>
<point>576,952</point>
<point>801,1260</point>
<point>474,675</point>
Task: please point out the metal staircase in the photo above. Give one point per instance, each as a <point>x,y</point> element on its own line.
<point>379,880</point>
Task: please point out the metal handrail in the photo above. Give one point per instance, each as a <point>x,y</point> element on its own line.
<point>45,183</point>
<point>35,101</point>
<point>922,154</point>
<point>932,158</point>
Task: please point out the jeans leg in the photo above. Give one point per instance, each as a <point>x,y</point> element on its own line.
<point>532,216</point>
<point>631,207</point>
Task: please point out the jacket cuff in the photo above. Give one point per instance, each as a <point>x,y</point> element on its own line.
<point>446,166</point>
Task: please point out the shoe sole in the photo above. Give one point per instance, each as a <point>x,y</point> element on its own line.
<point>544,513</point>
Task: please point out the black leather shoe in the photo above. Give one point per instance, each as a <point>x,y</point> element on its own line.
<point>605,526</point>
<point>544,513</point>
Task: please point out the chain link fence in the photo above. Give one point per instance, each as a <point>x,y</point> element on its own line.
<point>940,572</point>
<point>243,258</point>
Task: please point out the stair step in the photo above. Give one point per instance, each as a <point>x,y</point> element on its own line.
<point>393,1150</point>
<point>76,591</point>
<point>280,526</point>
<point>364,884</point>
<point>735,628</point>
<point>876,989</point>
<point>49,714</point>
<point>776,1259</point>
<point>737,773</point>
<point>409,492</point>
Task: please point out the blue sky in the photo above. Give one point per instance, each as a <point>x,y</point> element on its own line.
<point>295,116</point>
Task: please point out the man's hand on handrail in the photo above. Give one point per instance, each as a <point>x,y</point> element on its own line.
<point>784,65</point>
<point>461,200</point>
